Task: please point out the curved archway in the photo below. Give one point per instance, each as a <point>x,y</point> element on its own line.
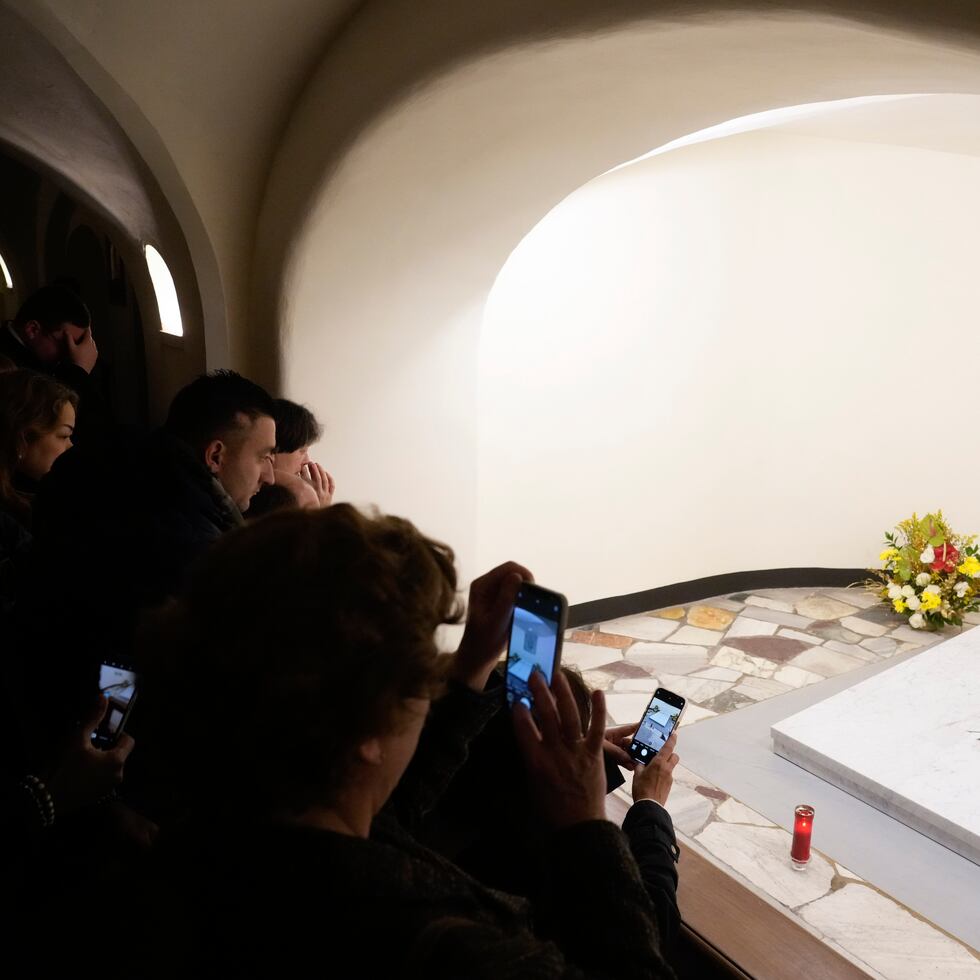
<point>52,122</point>
<point>385,287</point>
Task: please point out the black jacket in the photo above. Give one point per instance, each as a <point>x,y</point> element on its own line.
<point>119,530</point>
<point>264,899</point>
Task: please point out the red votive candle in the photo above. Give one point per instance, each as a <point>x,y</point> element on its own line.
<point>802,829</point>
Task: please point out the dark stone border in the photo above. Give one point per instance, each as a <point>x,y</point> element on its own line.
<point>681,593</point>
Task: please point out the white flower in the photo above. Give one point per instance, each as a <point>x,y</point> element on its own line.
<point>913,602</point>
<point>907,590</point>
<point>923,578</point>
<point>928,556</point>
<point>960,588</point>
<point>916,621</point>
<point>894,591</point>
<point>932,588</point>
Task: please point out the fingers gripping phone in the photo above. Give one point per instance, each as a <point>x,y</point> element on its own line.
<point>536,631</point>
<point>118,685</point>
<point>659,720</point>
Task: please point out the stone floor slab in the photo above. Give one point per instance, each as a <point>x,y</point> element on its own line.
<point>823,607</point>
<point>863,626</point>
<point>780,618</point>
<point>761,854</point>
<point>667,657</point>
<point>626,708</point>
<point>640,627</point>
<point>586,657</point>
<point>889,938</point>
<point>851,649</point>
<point>694,688</point>
<point>765,602</point>
<point>709,618</point>
<point>747,626</point>
<point>829,663</point>
<point>694,713</point>
<point>859,596</point>
<point>801,636</point>
<point>779,649</point>
<point>761,688</point>
<point>696,636</point>
<point>796,676</point>
<point>731,811</point>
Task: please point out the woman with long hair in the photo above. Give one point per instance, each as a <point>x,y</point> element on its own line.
<point>37,420</point>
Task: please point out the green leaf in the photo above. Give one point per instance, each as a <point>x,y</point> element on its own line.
<point>937,540</point>
<point>904,574</point>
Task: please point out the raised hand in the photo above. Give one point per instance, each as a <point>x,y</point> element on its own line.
<point>488,615</point>
<point>314,475</point>
<point>617,743</point>
<point>81,349</point>
<point>84,774</point>
<point>566,773</point>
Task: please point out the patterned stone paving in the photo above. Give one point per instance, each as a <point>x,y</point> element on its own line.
<point>731,651</point>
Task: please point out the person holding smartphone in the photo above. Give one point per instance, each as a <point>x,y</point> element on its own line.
<point>322,753</point>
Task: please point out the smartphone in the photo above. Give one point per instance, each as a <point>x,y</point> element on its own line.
<point>118,684</point>
<point>536,632</point>
<point>659,720</point>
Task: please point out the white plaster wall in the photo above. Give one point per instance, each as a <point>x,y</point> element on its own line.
<point>750,353</point>
<point>387,276</point>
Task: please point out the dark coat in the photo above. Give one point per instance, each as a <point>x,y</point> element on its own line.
<point>250,898</point>
<point>15,550</point>
<point>119,530</point>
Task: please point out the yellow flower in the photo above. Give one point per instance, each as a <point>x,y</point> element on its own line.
<point>930,601</point>
<point>887,554</point>
<point>899,605</point>
<point>969,567</point>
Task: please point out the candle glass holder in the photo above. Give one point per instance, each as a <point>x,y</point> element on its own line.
<point>802,830</point>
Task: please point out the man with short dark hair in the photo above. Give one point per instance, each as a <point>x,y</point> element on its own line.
<point>134,520</point>
<point>52,333</point>
<point>229,424</point>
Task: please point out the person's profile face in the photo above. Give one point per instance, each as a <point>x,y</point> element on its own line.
<point>246,464</point>
<point>41,453</point>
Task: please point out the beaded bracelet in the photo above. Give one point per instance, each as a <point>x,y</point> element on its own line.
<point>38,792</point>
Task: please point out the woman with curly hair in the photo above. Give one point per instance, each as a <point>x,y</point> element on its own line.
<point>303,768</point>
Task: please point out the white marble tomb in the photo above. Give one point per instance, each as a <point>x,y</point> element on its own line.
<point>906,741</point>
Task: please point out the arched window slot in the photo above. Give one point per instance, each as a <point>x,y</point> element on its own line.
<point>8,283</point>
<point>166,293</point>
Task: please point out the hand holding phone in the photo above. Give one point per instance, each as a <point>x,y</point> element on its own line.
<point>658,723</point>
<point>567,776</point>
<point>536,630</point>
<point>654,781</point>
<point>489,612</point>
<point>117,684</point>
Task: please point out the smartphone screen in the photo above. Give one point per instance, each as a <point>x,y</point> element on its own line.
<point>659,720</point>
<point>118,685</point>
<point>535,640</point>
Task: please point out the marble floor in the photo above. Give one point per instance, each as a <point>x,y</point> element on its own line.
<point>726,653</point>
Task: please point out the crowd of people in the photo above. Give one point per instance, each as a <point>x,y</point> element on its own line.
<point>304,775</point>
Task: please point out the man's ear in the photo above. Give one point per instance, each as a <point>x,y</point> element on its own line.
<point>32,330</point>
<point>214,455</point>
<point>371,752</point>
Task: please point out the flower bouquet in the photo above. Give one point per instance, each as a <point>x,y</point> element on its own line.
<point>930,574</point>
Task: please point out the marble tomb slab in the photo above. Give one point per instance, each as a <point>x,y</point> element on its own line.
<point>906,741</point>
